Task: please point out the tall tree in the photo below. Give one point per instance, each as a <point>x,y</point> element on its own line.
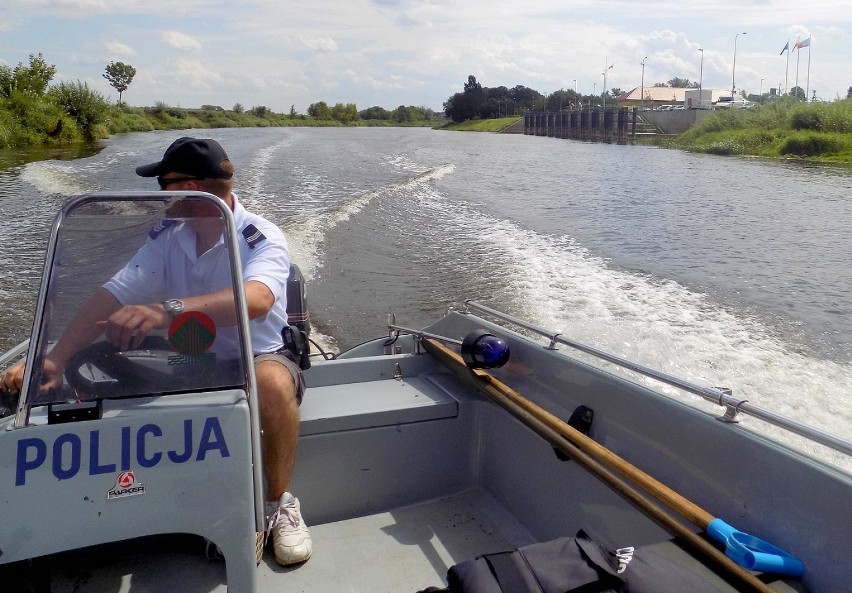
<point>319,110</point>
<point>798,92</point>
<point>119,75</point>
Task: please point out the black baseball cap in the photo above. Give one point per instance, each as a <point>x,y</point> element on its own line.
<point>200,157</point>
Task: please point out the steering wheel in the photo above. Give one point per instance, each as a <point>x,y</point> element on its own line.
<point>102,370</point>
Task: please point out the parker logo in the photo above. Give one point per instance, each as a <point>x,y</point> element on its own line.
<point>125,485</point>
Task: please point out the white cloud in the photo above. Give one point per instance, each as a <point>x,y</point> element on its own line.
<point>392,52</point>
<point>181,41</point>
<point>196,74</point>
<point>119,49</point>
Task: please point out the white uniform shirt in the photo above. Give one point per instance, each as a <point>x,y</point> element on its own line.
<point>167,267</point>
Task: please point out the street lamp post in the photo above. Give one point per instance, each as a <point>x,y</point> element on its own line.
<point>734,70</point>
<point>642,91</point>
<point>700,78</point>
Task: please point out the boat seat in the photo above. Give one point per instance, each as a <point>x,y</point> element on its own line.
<point>329,406</point>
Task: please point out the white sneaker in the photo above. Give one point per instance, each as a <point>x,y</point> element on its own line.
<point>291,539</point>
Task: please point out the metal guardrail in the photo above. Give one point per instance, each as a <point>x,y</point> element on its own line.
<point>13,353</point>
<point>719,396</point>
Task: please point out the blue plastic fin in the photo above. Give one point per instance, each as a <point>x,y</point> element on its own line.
<point>753,553</point>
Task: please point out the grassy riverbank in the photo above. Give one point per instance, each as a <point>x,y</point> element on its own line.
<point>45,125</point>
<point>482,125</point>
<point>782,129</point>
<point>785,128</point>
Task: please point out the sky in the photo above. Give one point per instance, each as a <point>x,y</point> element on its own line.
<point>292,53</point>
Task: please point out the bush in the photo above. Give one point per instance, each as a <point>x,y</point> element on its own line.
<point>88,107</point>
<point>785,126</point>
<point>808,118</point>
<point>811,144</point>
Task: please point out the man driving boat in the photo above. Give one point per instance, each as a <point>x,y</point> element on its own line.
<point>179,269</point>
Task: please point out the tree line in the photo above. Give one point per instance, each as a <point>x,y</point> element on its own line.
<point>34,112</point>
<point>348,113</point>
<point>478,102</point>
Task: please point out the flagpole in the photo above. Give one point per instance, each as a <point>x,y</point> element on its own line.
<point>808,92</point>
<point>606,59</point>
<point>798,51</point>
<point>787,69</point>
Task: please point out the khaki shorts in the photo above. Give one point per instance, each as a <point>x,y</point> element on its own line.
<point>285,357</point>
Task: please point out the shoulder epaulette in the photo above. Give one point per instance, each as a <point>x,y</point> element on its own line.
<point>252,235</point>
<point>160,227</point>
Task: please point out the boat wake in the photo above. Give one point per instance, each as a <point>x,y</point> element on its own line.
<point>558,284</point>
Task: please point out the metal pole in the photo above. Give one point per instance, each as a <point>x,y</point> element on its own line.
<point>734,70</point>
<point>642,91</point>
<point>701,79</point>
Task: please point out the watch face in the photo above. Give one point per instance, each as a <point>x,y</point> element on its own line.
<point>174,306</point>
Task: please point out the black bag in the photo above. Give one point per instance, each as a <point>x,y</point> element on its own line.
<point>573,564</point>
<point>296,342</point>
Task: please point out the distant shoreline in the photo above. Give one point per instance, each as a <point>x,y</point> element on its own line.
<point>783,129</point>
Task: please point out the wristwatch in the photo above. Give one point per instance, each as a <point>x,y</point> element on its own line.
<point>173,307</point>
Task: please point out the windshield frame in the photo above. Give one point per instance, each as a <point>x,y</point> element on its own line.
<point>167,198</point>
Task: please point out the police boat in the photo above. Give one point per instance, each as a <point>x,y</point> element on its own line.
<point>481,453</point>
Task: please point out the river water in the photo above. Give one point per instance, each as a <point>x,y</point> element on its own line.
<point>724,271</point>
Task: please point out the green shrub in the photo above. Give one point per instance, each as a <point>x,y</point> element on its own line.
<point>88,107</point>
<point>122,120</point>
<point>810,144</point>
<point>808,118</point>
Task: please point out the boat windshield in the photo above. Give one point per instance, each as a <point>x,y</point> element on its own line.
<point>108,252</point>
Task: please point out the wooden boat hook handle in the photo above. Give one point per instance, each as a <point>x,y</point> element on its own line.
<point>599,460</point>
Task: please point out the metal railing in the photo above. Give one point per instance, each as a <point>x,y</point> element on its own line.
<point>716,395</point>
<point>13,353</point>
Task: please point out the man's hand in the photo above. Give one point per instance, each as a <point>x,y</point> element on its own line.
<point>13,378</point>
<point>127,327</point>
<point>51,376</point>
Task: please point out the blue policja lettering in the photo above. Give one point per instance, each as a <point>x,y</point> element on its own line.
<point>58,454</point>
<point>23,464</point>
<point>125,448</point>
<point>141,459</point>
<point>96,468</point>
<point>66,451</point>
<point>212,429</point>
<point>187,444</point>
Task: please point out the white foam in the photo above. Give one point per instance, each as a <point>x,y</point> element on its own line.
<point>557,284</point>
<point>307,230</point>
<point>55,178</point>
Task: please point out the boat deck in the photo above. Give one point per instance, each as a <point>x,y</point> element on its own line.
<point>403,550</point>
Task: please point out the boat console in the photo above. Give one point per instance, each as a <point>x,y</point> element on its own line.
<point>161,437</point>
